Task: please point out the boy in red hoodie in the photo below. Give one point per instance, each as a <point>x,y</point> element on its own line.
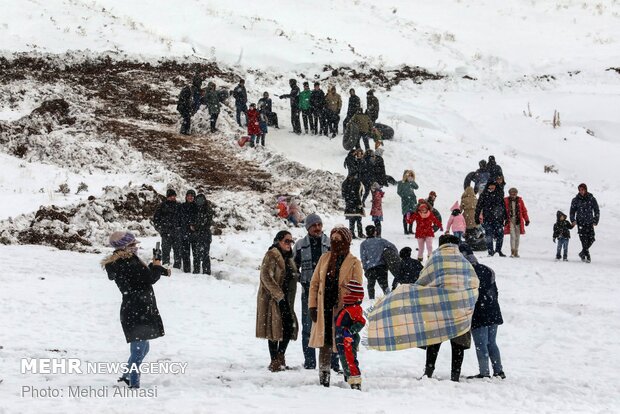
<point>424,228</point>
<point>349,322</point>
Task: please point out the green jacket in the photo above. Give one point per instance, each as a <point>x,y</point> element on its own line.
<point>212,101</point>
<point>408,200</point>
<point>304,100</point>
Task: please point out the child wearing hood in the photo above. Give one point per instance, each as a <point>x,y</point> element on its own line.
<point>424,232</point>
<point>254,130</point>
<point>561,232</point>
<point>376,211</point>
<point>456,222</point>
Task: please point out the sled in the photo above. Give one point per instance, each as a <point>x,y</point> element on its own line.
<point>476,240</point>
<point>387,132</point>
<point>243,140</point>
<point>351,137</point>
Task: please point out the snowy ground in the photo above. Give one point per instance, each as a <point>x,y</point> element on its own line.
<point>560,339</point>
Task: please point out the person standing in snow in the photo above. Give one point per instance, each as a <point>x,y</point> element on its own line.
<point>294,98</point>
<point>187,232</point>
<point>140,317</point>
<point>516,220</point>
<point>352,108</point>
<point>584,213</point>
<point>376,211</point>
<point>468,207</point>
<point>408,201</point>
<point>353,162</point>
<point>275,309</point>
<point>317,106</point>
<point>373,262</point>
<point>561,233</point>
<point>267,104</point>
<point>424,233</point>
<point>364,127</point>
<point>491,206</point>
<point>333,105</point>
<point>349,322</point>
<point>204,221</point>
<point>367,174</point>
<point>432,196</point>
<point>254,130</point>
<point>456,222</point>
<point>185,108</point>
<point>487,317</point>
<point>335,269</point>
<point>372,106</point>
<point>494,169</point>
<point>165,221</point>
<point>241,101</point>
<point>212,101</point>
<point>409,269</point>
<point>353,211</point>
<point>304,106</point>
<point>478,177</point>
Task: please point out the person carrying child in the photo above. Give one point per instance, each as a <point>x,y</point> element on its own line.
<point>376,211</point>
<point>561,233</point>
<point>424,228</point>
<point>349,322</point>
<point>456,222</point>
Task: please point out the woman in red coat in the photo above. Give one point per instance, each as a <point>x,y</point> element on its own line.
<point>254,130</point>
<point>516,220</point>
<point>424,228</point>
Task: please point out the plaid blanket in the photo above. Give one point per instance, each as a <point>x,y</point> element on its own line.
<point>438,307</point>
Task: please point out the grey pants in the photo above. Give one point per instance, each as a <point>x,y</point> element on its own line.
<point>515,234</point>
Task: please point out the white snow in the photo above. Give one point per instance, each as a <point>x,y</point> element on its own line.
<point>560,338</point>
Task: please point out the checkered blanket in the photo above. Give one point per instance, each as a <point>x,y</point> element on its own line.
<point>438,307</point>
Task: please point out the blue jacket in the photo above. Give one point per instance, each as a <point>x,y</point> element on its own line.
<point>371,252</point>
<point>584,210</point>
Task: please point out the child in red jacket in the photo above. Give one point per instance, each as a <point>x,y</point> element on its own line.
<point>349,322</point>
<point>424,228</point>
<point>254,130</point>
<point>376,211</point>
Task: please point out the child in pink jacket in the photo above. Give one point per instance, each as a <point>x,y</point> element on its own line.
<point>376,212</point>
<point>456,222</point>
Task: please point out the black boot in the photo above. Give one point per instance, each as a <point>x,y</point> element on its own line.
<point>324,378</point>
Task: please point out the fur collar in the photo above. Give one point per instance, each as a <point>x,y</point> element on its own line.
<point>117,255</point>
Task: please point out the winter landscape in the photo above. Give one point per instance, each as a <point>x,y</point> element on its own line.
<point>90,143</point>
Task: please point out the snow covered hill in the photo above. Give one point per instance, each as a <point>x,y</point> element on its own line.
<point>527,60</point>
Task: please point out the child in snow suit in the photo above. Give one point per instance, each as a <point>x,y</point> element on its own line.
<point>349,322</point>
<point>376,212</point>
<point>254,130</point>
<point>561,232</point>
<point>424,228</point>
<point>457,222</point>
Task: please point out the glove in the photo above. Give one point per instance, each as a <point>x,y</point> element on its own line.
<point>554,239</point>
<point>313,314</point>
<point>527,223</point>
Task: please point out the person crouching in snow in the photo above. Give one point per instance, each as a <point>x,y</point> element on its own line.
<point>376,211</point>
<point>349,322</point>
<point>424,233</point>
<point>254,130</point>
<point>456,222</point>
<point>282,208</point>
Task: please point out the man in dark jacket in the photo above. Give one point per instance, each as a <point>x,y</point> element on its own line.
<point>353,106</point>
<point>409,269</point>
<point>212,101</point>
<point>351,192</point>
<point>487,316</point>
<point>185,106</point>
<point>584,213</point>
<point>317,106</point>
<point>267,104</point>
<point>494,169</point>
<point>353,161</point>
<point>204,220</point>
<point>187,232</point>
<point>294,97</point>
<point>478,177</point>
<point>241,101</point>
<point>371,255</point>
<point>491,205</point>
<point>372,106</point>
<point>165,220</point>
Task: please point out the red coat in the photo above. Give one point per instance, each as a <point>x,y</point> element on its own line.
<point>377,208</point>
<point>424,226</point>
<point>253,124</point>
<point>523,217</point>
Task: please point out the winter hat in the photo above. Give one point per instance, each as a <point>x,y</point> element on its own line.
<point>455,206</point>
<point>190,192</point>
<point>312,219</point>
<point>468,253</point>
<point>121,239</point>
<point>356,293</point>
<point>170,193</point>
<point>344,232</point>
<point>405,253</point>
<point>582,185</point>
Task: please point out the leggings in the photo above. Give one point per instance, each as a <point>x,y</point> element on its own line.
<point>428,241</point>
<point>276,347</point>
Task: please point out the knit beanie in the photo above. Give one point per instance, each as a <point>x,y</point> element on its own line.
<point>170,192</point>
<point>312,219</point>
<point>344,232</point>
<point>356,293</point>
<point>190,192</point>
<point>121,239</point>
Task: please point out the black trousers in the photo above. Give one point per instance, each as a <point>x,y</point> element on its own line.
<point>457,360</point>
<point>377,274</point>
<point>407,227</point>
<point>190,245</point>
<point>306,116</point>
<point>272,119</point>
<point>333,119</point>
<point>186,123</point>
<point>318,121</point>
<point>352,222</point>
<point>363,137</point>
<point>170,242</point>
<point>213,121</point>
<point>203,246</point>
<point>586,236</point>
<point>295,120</point>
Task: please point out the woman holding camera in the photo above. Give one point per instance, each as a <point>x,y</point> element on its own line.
<point>139,314</point>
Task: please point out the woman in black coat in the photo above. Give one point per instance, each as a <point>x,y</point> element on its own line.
<point>139,314</point>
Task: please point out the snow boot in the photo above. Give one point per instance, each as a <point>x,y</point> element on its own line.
<point>517,253</point>
<point>500,375</point>
<point>478,376</point>
<point>282,361</point>
<point>324,378</point>
<point>501,254</point>
<point>123,379</point>
<point>557,257</point>
<point>582,256</point>
<point>274,366</point>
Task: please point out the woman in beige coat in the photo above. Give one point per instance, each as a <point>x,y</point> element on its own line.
<point>327,289</point>
<point>468,206</point>
<point>275,315</point>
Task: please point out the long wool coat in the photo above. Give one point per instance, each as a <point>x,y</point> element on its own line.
<point>351,269</point>
<point>268,317</point>
<point>468,206</point>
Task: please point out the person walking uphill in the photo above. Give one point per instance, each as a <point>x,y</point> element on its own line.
<point>584,213</point>
<point>491,205</point>
<point>165,221</point>
<point>372,106</point>
<point>468,207</point>
<point>140,317</point>
<point>275,303</point>
<point>516,220</point>
<point>424,232</point>
<point>353,106</point>
<point>353,211</point>
<point>456,222</point>
<point>333,272</point>
<point>408,201</point>
<point>241,101</point>
<point>212,101</point>
<point>187,232</point>
<point>294,98</point>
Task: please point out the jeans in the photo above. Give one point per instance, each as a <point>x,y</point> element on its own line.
<point>459,234</point>
<point>306,328</point>
<point>486,348</point>
<point>494,231</point>
<point>562,244</point>
<point>377,274</point>
<point>138,350</point>
<point>241,108</point>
